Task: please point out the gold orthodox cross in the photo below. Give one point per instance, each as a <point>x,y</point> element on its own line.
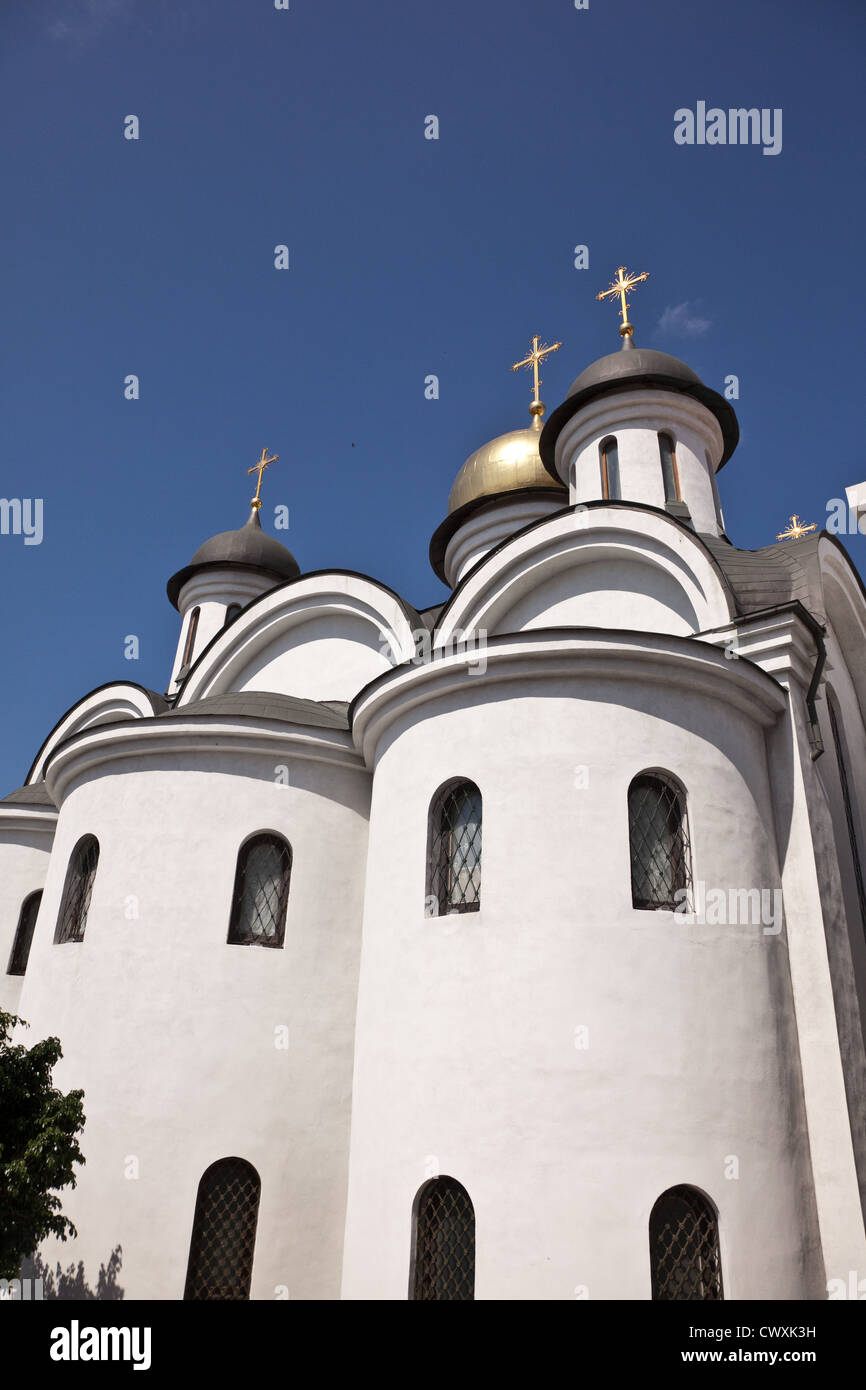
<point>260,468</point>
<point>796,529</point>
<point>537,355</point>
<point>621,286</point>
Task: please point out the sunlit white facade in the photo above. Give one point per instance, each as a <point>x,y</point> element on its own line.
<point>563,1054</point>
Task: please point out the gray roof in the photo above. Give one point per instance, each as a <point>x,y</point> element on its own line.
<point>36,794</point>
<point>430,616</point>
<point>247,548</point>
<point>262,704</point>
<point>623,371</point>
<point>633,362</point>
<point>771,576</point>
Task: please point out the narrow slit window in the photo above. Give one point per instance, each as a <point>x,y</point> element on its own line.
<point>261,892</point>
<point>717,501</point>
<point>670,472</point>
<point>189,644</point>
<point>610,488</point>
<point>454,850</point>
<point>231,613</point>
<point>659,844</point>
<point>24,934</point>
<point>77,891</point>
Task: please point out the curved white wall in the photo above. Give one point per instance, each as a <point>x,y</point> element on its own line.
<point>489,526</point>
<point>613,589</point>
<point>171,1031</point>
<point>605,567</point>
<point>322,658</point>
<point>322,637</point>
<point>24,855</point>
<point>466,1060</point>
<point>211,593</point>
<point>635,418</point>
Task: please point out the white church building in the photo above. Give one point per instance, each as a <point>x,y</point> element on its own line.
<point>509,949</point>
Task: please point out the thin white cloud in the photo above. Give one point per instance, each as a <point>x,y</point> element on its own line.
<point>683,320</point>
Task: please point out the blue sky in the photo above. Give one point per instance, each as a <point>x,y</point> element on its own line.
<point>408,257</point>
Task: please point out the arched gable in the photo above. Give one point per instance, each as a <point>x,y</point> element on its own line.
<point>321,637</point>
<point>114,703</point>
<point>607,567</point>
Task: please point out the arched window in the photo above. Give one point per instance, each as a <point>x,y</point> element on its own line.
<point>684,1247</point>
<point>659,842</point>
<point>443,1256</point>
<point>717,503</point>
<point>847,802</point>
<point>609,469</point>
<point>670,472</point>
<point>24,934</point>
<point>258,915</point>
<point>189,644</point>
<point>220,1265</point>
<point>77,891</point>
<point>231,613</point>
<point>454,850</point>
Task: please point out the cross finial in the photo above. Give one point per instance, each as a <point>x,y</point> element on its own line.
<point>621,286</point>
<point>795,530</point>
<point>536,356</point>
<point>259,468</point>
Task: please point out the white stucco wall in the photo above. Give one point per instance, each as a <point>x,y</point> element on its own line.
<point>324,658</point>
<point>466,1061</point>
<point>485,529</point>
<point>211,592</point>
<point>713,1049</point>
<point>605,567</point>
<point>622,591</point>
<point>171,1031</point>
<point>321,637</point>
<point>846,930</point>
<point>635,418</point>
<point>24,856</point>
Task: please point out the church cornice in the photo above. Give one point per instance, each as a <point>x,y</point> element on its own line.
<point>569,656</point>
<point>200,740</point>
<point>596,505</point>
<point>117,699</point>
<point>40,820</point>
<point>207,675</point>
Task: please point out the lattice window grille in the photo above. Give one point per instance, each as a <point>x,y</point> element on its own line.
<point>224,1233</point>
<point>24,934</point>
<point>445,1244</point>
<point>261,892</point>
<point>454,860</point>
<point>686,1265</point>
<point>659,842</point>
<point>78,891</point>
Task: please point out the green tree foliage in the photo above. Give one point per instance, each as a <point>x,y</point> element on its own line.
<point>38,1146</point>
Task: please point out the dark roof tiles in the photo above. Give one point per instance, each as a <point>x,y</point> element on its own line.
<point>773,575</point>
<point>35,794</point>
<point>264,704</point>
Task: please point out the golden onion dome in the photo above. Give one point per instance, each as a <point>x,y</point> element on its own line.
<point>506,464</point>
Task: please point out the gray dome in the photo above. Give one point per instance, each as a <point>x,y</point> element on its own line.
<point>247,548</point>
<point>625,365</point>
<point>627,370</point>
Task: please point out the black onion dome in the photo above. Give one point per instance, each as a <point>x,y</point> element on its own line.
<point>630,368</point>
<point>248,548</point>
